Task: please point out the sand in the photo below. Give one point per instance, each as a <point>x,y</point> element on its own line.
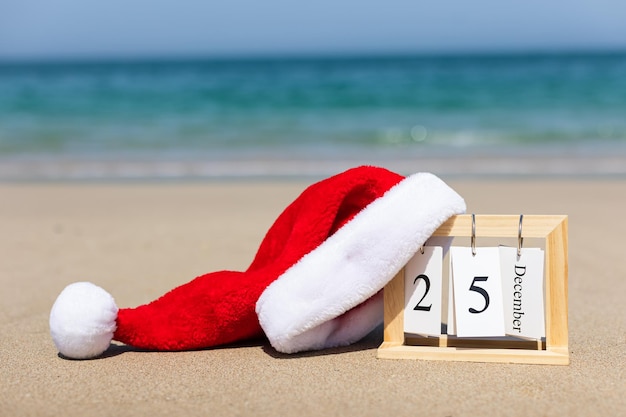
<point>138,240</point>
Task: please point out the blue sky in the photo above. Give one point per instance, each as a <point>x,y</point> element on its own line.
<point>90,28</point>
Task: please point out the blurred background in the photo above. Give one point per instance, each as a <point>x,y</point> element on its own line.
<point>196,89</point>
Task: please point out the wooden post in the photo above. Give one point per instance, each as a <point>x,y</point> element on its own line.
<point>394,311</point>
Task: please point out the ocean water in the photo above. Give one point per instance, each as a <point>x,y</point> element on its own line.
<point>101,113</point>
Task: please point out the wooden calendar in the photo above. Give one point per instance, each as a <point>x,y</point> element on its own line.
<point>478,326</point>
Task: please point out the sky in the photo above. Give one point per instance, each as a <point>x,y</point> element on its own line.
<point>58,29</point>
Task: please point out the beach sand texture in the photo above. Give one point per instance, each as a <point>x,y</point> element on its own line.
<point>139,240</point>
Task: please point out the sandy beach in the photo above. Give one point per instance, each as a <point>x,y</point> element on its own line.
<point>140,239</point>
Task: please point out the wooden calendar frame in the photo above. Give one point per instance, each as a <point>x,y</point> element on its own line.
<point>554,351</point>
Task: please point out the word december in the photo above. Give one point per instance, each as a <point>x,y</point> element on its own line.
<point>517,298</point>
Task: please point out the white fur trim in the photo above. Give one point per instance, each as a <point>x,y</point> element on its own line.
<point>82,321</point>
<point>329,297</point>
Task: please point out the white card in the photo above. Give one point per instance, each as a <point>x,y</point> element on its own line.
<point>451,310</point>
<point>477,292</point>
<point>422,292</point>
<point>522,292</point>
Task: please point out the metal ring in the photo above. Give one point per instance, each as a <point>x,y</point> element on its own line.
<point>520,239</point>
<point>473,241</point>
<point>422,249</point>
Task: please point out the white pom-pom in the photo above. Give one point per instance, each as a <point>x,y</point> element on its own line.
<point>82,320</point>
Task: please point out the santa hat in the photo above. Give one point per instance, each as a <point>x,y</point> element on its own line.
<point>314,283</point>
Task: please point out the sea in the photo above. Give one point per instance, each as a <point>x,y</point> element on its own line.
<point>455,114</point>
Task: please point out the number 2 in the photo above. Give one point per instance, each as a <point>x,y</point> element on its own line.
<point>418,307</point>
<point>479,290</point>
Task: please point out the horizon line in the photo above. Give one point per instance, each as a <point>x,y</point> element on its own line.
<point>308,55</point>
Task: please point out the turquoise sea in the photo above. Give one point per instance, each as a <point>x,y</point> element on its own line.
<point>203,111</point>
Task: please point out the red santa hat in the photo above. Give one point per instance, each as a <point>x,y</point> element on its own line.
<point>314,283</point>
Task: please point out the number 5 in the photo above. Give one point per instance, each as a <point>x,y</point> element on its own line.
<point>482,292</point>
